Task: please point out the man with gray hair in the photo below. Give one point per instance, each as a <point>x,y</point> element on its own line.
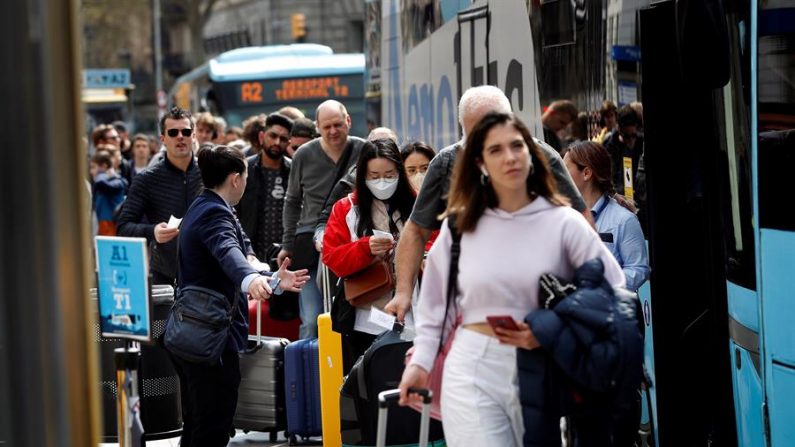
<point>316,168</point>
<point>382,132</point>
<point>431,202</point>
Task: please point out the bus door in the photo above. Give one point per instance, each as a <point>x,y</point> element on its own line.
<point>775,122</point>
<point>685,162</point>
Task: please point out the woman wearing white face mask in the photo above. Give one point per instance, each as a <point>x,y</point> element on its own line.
<point>381,202</point>
<point>417,157</point>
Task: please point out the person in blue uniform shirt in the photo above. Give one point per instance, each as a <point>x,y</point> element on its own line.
<point>215,254</point>
<point>589,166</point>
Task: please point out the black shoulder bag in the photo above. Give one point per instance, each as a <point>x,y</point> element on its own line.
<point>199,322</point>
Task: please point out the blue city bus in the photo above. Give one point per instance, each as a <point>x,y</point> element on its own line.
<point>248,81</point>
<point>719,102</point>
<point>717,83</point>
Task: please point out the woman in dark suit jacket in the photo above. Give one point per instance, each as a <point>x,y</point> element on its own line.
<point>215,254</point>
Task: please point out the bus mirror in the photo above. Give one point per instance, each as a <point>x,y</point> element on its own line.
<point>703,42</point>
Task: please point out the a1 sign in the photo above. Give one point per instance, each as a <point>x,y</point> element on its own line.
<point>106,78</point>
<point>123,288</point>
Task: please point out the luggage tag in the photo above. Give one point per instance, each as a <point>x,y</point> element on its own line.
<point>382,319</point>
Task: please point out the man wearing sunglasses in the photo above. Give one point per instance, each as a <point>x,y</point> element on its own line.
<point>165,189</point>
<point>625,146</point>
<point>260,209</point>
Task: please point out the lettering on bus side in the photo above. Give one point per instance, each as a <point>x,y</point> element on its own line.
<point>421,99</point>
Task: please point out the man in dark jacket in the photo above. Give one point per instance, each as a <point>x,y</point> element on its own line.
<point>625,146</point>
<point>260,209</point>
<point>166,189</point>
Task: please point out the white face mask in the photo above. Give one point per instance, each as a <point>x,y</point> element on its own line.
<point>382,188</point>
<point>416,180</point>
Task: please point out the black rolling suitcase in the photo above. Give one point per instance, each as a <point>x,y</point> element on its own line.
<point>385,398</point>
<point>260,400</point>
<point>378,369</point>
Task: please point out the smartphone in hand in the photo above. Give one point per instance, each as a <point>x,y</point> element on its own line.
<point>502,321</point>
<point>274,281</point>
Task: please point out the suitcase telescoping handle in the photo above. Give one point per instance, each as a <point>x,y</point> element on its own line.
<point>387,397</point>
<point>259,322</point>
<point>326,287</point>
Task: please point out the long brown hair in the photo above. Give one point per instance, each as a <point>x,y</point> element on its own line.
<point>588,154</point>
<point>468,198</point>
<point>403,198</point>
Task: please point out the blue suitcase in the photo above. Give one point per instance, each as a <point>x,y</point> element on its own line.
<point>302,389</point>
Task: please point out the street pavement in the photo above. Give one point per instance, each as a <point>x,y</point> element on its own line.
<point>251,439</point>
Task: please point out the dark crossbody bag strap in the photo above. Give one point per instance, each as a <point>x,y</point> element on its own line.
<point>342,167</point>
<point>235,298</point>
<point>452,279</point>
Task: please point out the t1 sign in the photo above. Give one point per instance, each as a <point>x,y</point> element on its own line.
<point>123,288</point>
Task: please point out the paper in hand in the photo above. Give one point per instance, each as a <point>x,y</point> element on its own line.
<point>383,235</point>
<point>173,222</point>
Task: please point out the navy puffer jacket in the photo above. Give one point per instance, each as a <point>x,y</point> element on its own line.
<point>592,351</point>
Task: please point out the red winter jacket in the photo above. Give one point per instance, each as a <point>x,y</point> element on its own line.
<point>343,252</point>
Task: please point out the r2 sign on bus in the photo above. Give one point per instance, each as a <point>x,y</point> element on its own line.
<point>123,287</point>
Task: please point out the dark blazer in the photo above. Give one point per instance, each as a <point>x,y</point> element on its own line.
<point>212,254</point>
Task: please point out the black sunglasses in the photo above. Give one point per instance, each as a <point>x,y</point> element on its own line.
<point>174,132</point>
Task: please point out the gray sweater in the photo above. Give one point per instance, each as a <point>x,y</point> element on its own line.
<point>311,178</point>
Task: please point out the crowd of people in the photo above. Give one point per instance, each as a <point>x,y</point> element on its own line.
<point>297,192</point>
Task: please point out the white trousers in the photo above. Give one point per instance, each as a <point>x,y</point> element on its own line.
<point>480,393</point>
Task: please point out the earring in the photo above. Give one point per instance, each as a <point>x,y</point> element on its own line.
<point>484,176</point>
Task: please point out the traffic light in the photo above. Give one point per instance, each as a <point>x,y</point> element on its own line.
<point>299,26</point>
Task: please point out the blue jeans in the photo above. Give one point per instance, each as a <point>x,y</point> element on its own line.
<point>310,301</point>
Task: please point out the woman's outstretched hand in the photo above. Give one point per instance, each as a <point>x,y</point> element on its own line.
<point>291,281</point>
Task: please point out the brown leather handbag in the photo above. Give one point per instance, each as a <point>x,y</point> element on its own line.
<point>370,284</point>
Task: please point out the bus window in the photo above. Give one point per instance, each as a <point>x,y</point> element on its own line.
<point>776,111</point>
<point>738,205</point>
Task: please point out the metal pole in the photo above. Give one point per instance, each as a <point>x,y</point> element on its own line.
<point>49,384</point>
<point>126,360</point>
<point>158,46</point>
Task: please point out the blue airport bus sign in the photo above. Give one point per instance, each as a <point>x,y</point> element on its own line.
<point>106,78</point>
<point>123,288</point>
<point>629,53</point>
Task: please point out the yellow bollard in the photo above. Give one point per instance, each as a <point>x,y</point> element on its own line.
<point>330,351</point>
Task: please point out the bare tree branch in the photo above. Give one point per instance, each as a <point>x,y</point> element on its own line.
<point>208,11</point>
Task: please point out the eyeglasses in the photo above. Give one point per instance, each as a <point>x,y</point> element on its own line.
<point>281,138</point>
<point>174,132</point>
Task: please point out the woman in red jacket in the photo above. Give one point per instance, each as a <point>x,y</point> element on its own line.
<point>380,204</point>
